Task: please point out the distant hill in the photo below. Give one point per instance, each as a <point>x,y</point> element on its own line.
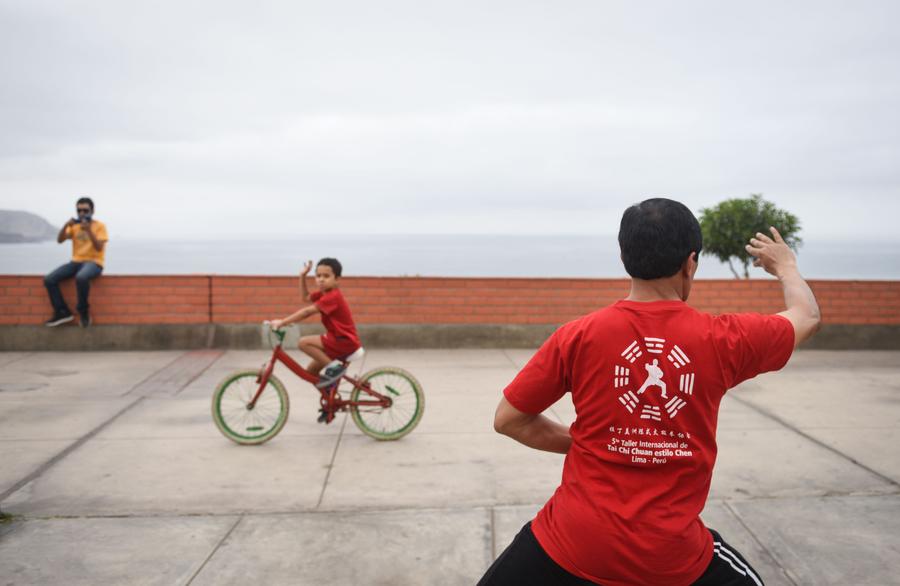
<point>18,226</point>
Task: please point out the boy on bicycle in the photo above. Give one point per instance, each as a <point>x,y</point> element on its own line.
<point>340,338</point>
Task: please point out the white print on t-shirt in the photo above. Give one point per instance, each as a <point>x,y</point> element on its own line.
<point>654,379</point>
<point>649,445</point>
<point>686,383</point>
<point>654,345</point>
<point>651,412</point>
<point>622,374</point>
<point>633,352</point>
<point>631,399</point>
<point>678,357</point>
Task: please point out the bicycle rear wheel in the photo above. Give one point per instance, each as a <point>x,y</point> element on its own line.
<point>405,412</point>
<point>237,421</point>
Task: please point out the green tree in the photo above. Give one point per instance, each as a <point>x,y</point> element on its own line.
<point>729,225</point>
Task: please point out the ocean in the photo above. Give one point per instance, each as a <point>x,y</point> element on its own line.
<point>428,255</point>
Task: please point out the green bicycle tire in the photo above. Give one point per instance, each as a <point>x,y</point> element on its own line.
<point>400,418</point>
<point>236,388</point>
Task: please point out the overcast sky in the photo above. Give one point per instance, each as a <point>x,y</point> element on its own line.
<point>208,119</point>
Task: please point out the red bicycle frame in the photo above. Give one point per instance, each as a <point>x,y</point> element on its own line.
<point>330,400</point>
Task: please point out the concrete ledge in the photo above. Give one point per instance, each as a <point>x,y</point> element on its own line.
<point>856,337</point>
<point>252,336</point>
<point>111,337</point>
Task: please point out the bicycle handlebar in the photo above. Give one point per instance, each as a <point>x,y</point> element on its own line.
<point>280,333</point>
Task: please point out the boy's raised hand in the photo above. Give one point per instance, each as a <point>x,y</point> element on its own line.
<point>772,254</point>
<point>307,266</point>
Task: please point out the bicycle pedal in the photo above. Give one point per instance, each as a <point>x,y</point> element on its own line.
<point>323,417</point>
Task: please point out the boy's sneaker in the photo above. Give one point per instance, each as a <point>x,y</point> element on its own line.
<point>59,318</point>
<point>333,372</point>
<point>85,319</point>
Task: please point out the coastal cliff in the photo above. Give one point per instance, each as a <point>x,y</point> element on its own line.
<point>19,226</point>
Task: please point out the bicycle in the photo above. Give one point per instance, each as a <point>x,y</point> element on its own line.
<point>250,407</point>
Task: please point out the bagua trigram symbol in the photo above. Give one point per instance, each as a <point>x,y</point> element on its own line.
<point>633,352</point>
<point>678,357</point>
<point>651,412</point>
<point>654,379</point>
<point>674,405</point>
<point>685,383</point>
<point>630,401</point>
<point>621,378</point>
<point>654,345</point>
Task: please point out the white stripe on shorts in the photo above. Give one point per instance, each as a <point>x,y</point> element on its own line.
<point>719,548</point>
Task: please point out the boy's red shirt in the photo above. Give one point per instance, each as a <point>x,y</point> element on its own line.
<point>639,469</point>
<point>336,317</point>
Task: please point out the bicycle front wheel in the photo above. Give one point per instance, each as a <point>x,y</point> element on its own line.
<point>241,423</point>
<point>405,412</point>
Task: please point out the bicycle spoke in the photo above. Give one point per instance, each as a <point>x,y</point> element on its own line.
<point>404,411</point>
<point>252,423</point>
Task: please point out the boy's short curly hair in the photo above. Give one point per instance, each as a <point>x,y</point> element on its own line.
<point>656,236</point>
<point>333,263</point>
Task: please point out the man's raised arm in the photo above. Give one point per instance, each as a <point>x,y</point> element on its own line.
<point>779,260</point>
<point>64,231</point>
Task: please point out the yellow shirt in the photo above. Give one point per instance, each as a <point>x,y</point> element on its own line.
<point>82,248</point>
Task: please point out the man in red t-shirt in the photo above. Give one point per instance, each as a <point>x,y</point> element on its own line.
<point>647,375</point>
<point>340,338</point>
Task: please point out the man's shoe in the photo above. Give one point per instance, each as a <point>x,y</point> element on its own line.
<point>85,319</point>
<point>59,318</point>
<point>333,372</point>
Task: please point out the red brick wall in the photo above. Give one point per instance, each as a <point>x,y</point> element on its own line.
<point>114,299</point>
<point>409,300</point>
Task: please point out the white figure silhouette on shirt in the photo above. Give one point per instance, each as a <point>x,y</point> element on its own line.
<point>654,378</point>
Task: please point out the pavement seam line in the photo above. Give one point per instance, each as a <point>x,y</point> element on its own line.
<point>368,510</point>
<point>515,366</point>
<point>68,450</point>
<point>337,444</point>
<point>758,541</point>
<point>81,441</point>
<point>493,535</point>
<point>817,441</point>
<point>199,374</point>
<point>152,374</point>
<point>214,550</point>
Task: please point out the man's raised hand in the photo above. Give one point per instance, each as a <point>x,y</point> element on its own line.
<point>772,254</point>
<point>307,266</point>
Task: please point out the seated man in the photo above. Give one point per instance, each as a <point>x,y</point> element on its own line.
<point>88,246</point>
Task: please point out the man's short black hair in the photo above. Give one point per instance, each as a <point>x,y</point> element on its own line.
<point>333,263</point>
<point>656,236</point>
<point>86,200</point>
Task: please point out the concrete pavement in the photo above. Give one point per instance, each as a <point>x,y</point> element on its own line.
<point>113,473</point>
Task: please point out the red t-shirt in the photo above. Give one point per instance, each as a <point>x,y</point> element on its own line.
<point>336,317</point>
<point>639,469</point>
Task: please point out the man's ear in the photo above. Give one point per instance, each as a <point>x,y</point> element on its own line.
<point>689,267</point>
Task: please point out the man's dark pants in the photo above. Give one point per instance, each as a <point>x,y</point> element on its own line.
<point>525,563</point>
<point>83,273</point>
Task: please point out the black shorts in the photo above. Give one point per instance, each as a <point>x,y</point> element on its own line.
<point>524,563</point>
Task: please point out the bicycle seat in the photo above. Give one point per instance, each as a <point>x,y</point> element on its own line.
<point>357,354</point>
